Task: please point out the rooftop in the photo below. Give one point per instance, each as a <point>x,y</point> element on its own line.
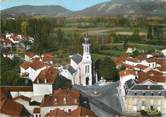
<point>61,97</point>
<point>76,58</point>
<point>151,75</point>
<point>47,75</point>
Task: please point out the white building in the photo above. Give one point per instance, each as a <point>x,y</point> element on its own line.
<point>33,69</point>
<point>80,69</point>
<point>43,84</point>
<point>126,75</point>
<point>164,52</point>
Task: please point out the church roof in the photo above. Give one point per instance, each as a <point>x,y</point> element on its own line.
<point>76,58</point>
<point>71,69</point>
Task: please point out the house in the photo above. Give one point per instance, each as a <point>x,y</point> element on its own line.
<point>47,58</point>
<point>140,97</point>
<point>140,67</point>
<point>119,60</point>
<point>10,108</point>
<point>132,61</point>
<point>130,50</point>
<point>126,75</point>
<point>28,103</point>
<point>28,56</point>
<point>16,91</point>
<point>151,62</point>
<point>153,76</point>
<point>32,69</point>
<point>43,84</point>
<point>163,52</point>
<point>63,99</point>
<point>7,53</point>
<point>23,67</point>
<point>36,112</point>
<point>5,42</point>
<point>161,65</point>
<point>80,69</point>
<point>57,113</point>
<point>79,112</point>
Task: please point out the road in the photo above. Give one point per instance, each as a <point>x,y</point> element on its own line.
<point>107,103</point>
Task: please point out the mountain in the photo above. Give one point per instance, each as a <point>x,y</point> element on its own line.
<point>28,10</point>
<point>126,7</point>
<point>113,7</point>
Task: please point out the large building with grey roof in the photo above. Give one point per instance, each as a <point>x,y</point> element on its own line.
<point>79,71</point>
<point>143,96</point>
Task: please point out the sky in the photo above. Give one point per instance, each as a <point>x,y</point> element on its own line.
<point>73,5</point>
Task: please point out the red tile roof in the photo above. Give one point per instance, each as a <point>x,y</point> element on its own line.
<point>36,110</point>
<point>56,113</point>
<point>82,112</point>
<point>22,97</point>
<point>29,54</point>
<point>49,74</point>
<point>61,97</point>
<point>132,59</point>
<point>126,73</point>
<point>151,75</point>
<point>140,66</point>
<point>25,65</point>
<point>79,112</point>
<point>12,108</point>
<point>129,66</point>
<point>162,68</point>
<point>17,88</point>
<point>120,59</point>
<point>5,40</point>
<point>37,64</point>
<point>47,57</point>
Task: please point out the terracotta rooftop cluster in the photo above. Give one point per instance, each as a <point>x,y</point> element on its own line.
<point>143,71</point>
<point>62,97</point>
<point>10,107</point>
<point>47,75</point>
<point>151,75</point>
<point>79,112</point>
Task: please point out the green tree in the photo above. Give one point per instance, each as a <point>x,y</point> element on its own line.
<point>150,31</point>
<point>24,27</point>
<point>107,69</point>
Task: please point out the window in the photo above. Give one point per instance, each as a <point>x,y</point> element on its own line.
<point>143,103</point>
<point>87,68</point>
<point>69,110</point>
<point>152,94</point>
<point>64,100</point>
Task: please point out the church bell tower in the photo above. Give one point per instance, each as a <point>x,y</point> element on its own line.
<point>86,64</point>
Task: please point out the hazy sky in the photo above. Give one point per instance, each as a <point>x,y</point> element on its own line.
<point>69,4</point>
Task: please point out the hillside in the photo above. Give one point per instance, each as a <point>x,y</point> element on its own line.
<point>126,7</point>
<point>28,10</point>
<point>113,7</point>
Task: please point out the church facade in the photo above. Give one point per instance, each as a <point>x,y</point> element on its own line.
<point>79,71</point>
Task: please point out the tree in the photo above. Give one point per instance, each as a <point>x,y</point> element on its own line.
<point>107,69</point>
<point>9,72</point>
<point>125,45</point>
<point>150,31</point>
<point>24,27</point>
<point>135,53</point>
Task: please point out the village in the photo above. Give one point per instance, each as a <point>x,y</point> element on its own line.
<point>141,87</point>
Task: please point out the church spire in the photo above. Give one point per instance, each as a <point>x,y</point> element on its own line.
<point>86,46</point>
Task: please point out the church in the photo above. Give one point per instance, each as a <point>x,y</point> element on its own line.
<point>79,71</point>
